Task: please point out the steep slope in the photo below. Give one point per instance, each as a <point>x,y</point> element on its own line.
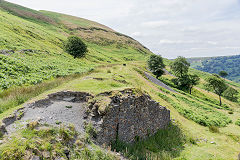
<point>69,25</point>
<point>25,13</point>
<point>31,45</point>
<point>230,64</point>
<point>32,59</point>
<point>95,32</point>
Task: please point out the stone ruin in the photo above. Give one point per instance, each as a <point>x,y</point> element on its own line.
<point>125,115</point>
<point>129,116</point>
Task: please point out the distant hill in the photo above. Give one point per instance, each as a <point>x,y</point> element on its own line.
<point>230,64</point>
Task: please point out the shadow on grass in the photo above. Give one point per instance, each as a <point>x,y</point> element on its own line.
<point>165,144</point>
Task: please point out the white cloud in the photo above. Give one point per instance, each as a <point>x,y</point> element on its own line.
<point>155,24</point>
<point>212,42</point>
<point>136,34</point>
<point>166,41</point>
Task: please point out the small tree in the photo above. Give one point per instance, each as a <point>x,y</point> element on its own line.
<point>156,65</point>
<point>217,85</point>
<point>75,47</point>
<point>187,82</point>
<point>180,66</point>
<point>223,74</point>
<point>181,82</point>
<point>193,81</point>
<point>231,94</point>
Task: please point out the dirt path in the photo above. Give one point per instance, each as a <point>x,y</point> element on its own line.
<point>55,112</point>
<point>158,82</point>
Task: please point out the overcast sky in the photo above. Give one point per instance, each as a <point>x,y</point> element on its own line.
<point>190,28</point>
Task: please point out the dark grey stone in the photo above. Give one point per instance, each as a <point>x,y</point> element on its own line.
<point>132,116</point>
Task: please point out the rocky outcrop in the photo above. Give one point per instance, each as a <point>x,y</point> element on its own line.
<point>129,117</point>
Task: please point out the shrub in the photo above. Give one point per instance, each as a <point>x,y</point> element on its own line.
<point>230,112</point>
<point>32,125</point>
<point>91,130</point>
<point>75,47</point>
<point>223,74</point>
<point>65,134</point>
<point>238,122</point>
<point>213,129</point>
<point>231,94</point>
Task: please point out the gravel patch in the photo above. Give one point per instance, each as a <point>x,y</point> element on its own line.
<point>52,112</point>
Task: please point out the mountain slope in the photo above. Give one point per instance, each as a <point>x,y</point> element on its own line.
<point>230,64</point>
<point>31,45</point>
<point>69,25</point>
<point>38,66</point>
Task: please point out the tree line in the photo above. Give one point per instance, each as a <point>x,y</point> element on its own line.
<point>186,81</point>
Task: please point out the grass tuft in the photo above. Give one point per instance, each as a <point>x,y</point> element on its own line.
<point>214,129</point>
<point>166,143</point>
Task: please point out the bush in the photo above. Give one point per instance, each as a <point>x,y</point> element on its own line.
<point>231,94</point>
<point>213,129</point>
<point>75,47</point>
<point>91,130</point>
<point>238,122</point>
<point>230,112</point>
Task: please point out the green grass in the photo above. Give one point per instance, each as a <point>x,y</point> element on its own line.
<point>29,142</point>
<point>48,60</point>
<point>185,147</point>
<point>16,96</point>
<point>165,144</point>
<point>238,122</point>
<point>199,113</point>
<point>48,70</point>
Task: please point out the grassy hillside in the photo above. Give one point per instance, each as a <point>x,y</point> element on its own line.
<point>230,64</point>
<point>189,137</point>
<point>44,35</point>
<point>200,129</point>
